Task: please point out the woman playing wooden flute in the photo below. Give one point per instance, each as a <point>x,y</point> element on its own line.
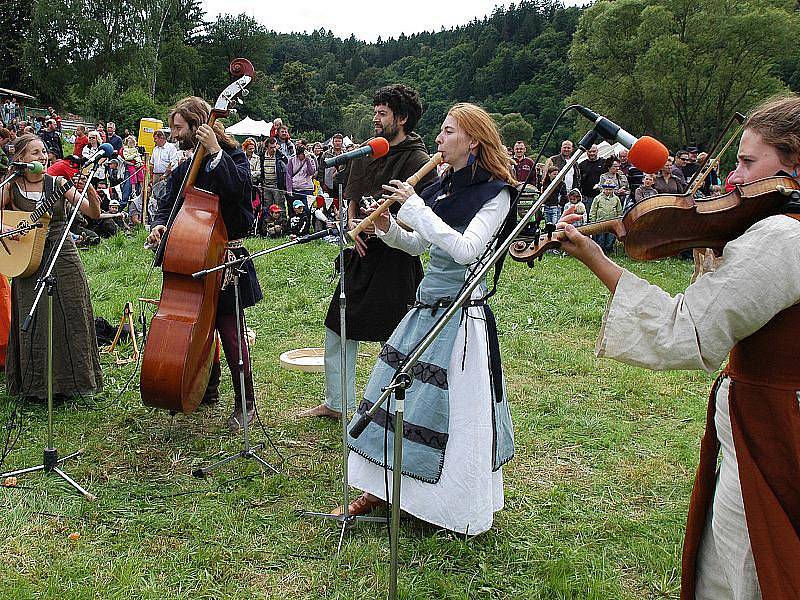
<point>458,430</point>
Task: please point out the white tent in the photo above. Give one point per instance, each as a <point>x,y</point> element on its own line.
<point>248,126</point>
<point>604,150</point>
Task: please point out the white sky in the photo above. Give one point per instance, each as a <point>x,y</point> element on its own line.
<point>367,20</point>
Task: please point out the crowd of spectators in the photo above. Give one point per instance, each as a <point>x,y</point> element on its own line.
<point>294,193</point>
<point>605,188</point>
<point>118,180</point>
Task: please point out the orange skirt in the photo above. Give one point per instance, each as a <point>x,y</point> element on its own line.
<point>5,318</point>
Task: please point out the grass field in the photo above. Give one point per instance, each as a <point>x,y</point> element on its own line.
<point>596,496</point>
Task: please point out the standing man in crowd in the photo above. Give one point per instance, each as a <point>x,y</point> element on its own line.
<point>274,172</point>
<point>331,177</point>
<point>380,281</point>
<point>162,161</point>
<point>522,164</point>
<point>81,140</point>
<point>681,166</point>
<point>559,160</point>
<point>52,139</point>
<point>590,171</point>
<point>112,137</point>
<point>285,144</point>
<point>692,163</point>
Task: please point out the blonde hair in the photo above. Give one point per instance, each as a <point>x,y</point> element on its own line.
<point>195,111</point>
<point>479,125</point>
<point>777,121</point>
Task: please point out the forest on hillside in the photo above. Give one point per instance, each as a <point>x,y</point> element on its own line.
<point>676,69</point>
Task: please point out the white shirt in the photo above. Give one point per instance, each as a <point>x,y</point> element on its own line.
<point>430,229</point>
<point>163,157</point>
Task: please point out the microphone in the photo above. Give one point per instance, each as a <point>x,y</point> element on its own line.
<point>377,147</point>
<point>105,150</point>
<point>34,167</point>
<point>646,153</point>
<point>319,234</point>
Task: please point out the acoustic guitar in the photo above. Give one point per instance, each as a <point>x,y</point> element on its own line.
<point>21,257</point>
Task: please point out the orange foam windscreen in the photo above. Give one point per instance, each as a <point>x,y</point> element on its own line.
<point>648,154</point>
<point>380,147</point>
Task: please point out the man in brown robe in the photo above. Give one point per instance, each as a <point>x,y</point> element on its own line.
<point>380,282</point>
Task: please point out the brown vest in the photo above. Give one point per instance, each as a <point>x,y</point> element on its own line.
<point>765,419</point>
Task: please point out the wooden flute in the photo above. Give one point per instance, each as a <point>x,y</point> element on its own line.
<point>435,161</point>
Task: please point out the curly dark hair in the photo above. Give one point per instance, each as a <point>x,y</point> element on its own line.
<point>404,102</point>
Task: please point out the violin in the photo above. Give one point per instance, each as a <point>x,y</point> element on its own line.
<point>176,362</point>
<point>665,224</point>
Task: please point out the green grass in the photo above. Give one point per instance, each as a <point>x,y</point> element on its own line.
<point>596,496</point>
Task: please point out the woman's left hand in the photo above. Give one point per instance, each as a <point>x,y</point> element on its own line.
<point>397,190</point>
<point>207,137</point>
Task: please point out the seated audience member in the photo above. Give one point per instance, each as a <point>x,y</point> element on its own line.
<point>274,224</point>
<point>299,222</point>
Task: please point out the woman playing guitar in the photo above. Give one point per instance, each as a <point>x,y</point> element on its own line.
<point>76,360</point>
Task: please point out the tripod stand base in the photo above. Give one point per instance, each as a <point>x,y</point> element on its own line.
<point>50,465</point>
<point>247,453</point>
<point>345,522</point>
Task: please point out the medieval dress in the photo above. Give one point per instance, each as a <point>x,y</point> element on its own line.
<point>742,534</point>
<point>457,432</point>
<point>76,358</point>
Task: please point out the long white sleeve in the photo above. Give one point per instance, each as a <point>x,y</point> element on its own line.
<point>430,229</point>
<point>759,277</point>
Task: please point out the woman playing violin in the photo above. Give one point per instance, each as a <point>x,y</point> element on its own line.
<point>743,529</point>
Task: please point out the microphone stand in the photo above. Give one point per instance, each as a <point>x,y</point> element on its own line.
<point>247,450</point>
<point>403,377</point>
<point>345,520</point>
<point>48,282</point>
<point>11,177</point>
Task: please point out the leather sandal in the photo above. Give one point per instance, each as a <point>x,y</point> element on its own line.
<point>363,505</point>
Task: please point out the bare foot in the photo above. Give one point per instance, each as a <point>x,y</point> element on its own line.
<point>320,411</point>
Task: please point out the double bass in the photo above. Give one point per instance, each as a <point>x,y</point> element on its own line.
<point>176,363</point>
